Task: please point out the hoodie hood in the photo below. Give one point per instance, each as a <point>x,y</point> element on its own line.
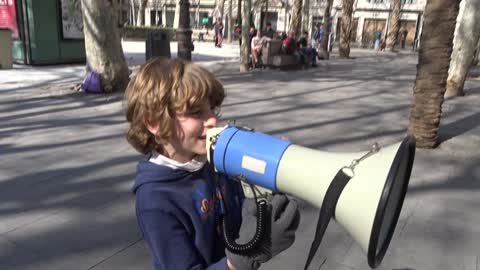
<point>148,172</point>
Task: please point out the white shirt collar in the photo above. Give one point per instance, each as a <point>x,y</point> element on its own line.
<point>193,165</point>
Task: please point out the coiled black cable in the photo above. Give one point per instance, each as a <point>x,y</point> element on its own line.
<point>255,245</point>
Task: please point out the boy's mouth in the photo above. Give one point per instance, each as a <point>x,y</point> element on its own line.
<point>203,137</point>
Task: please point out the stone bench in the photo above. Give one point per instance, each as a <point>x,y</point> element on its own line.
<point>273,56</point>
<point>284,60</point>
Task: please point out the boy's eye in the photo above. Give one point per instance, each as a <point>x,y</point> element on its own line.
<point>198,113</point>
<point>194,113</point>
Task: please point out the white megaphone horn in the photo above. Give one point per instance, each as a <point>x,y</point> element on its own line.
<point>368,205</point>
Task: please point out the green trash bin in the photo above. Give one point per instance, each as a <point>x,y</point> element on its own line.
<point>6,57</point>
<point>157,44</point>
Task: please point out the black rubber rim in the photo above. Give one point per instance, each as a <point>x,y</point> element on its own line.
<point>405,153</point>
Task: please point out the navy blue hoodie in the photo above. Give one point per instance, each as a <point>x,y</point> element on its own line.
<point>177,213</point>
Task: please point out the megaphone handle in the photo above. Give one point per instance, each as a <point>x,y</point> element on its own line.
<point>327,211</point>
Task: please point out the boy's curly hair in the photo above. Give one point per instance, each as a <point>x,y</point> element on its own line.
<point>161,89</point>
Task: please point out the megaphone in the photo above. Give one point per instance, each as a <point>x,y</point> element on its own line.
<point>370,203</point>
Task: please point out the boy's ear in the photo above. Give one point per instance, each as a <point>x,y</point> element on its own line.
<point>152,127</point>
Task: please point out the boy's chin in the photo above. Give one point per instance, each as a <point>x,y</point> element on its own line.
<point>202,151</point>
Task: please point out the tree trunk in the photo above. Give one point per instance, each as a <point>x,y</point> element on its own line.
<point>132,12</point>
<point>239,13</point>
<point>218,10</point>
<point>245,47</point>
<point>346,28</point>
<point>176,18</point>
<point>465,42</point>
<point>432,71</point>
<point>184,33</point>
<point>230,22</point>
<point>197,16</point>
<point>141,12</point>
<point>327,25</point>
<point>393,25</point>
<point>306,15</point>
<point>296,21</point>
<point>103,45</point>
<point>157,18</point>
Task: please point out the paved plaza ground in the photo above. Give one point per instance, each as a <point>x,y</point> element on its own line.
<point>66,169</point>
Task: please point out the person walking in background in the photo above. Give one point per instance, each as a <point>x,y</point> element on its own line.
<point>315,35</point>
<point>219,33</point>
<point>403,37</point>
<point>215,33</point>
<point>378,37</point>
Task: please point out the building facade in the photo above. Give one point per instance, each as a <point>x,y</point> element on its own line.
<point>369,17</point>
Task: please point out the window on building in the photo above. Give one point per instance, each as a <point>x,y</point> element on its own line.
<point>156,17</point>
<point>377,1</point>
<point>409,1</point>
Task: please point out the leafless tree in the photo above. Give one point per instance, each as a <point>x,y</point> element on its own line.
<point>103,44</point>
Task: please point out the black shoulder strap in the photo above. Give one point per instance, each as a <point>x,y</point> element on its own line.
<point>327,211</point>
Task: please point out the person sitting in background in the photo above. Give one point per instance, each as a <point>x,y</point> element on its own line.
<point>305,51</point>
<point>269,32</point>
<point>252,32</point>
<point>257,45</point>
<point>202,33</point>
<point>288,44</point>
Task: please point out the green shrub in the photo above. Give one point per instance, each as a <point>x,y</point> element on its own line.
<point>130,32</point>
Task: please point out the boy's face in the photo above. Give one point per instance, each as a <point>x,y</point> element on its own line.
<point>190,139</point>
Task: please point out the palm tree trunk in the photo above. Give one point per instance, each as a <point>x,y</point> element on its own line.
<point>104,51</point>
<point>327,25</point>
<point>465,42</point>
<point>393,25</point>
<point>346,28</point>
<point>295,23</point>
<point>432,71</point>
<point>245,47</point>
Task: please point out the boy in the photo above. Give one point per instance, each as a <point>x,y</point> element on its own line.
<point>170,105</point>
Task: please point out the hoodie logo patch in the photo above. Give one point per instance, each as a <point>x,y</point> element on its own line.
<point>204,200</point>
